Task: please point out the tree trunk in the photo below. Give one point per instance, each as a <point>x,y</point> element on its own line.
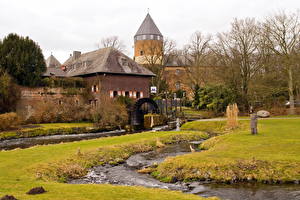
<point>291,92</point>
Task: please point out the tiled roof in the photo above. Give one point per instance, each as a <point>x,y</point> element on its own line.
<point>148,27</point>
<point>106,60</point>
<point>52,62</point>
<point>53,67</point>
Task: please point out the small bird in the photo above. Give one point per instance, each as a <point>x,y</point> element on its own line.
<point>192,149</point>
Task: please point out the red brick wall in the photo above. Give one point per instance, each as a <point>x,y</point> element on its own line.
<point>120,83</point>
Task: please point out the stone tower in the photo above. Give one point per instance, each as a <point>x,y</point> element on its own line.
<point>148,43</point>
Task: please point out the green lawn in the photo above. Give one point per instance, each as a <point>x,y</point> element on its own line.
<point>65,125</point>
<point>201,114</point>
<point>18,169</point>
<point>271,156</point>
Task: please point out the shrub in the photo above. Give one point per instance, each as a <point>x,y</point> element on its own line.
<point>157,120</point>
<point>71,82</point>
<point>110,114</point>
<point>214,98</point>
<point>8,121</point>
<point>68,111</point>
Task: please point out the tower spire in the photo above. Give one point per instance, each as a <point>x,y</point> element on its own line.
<point>148,40</point>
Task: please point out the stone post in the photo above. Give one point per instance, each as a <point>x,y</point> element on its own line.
<point>177,124</point>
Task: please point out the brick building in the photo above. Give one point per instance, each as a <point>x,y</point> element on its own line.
<point>106,72</point>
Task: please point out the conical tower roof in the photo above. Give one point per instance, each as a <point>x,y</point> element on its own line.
<point>52,62</point>
<point>148,27</point>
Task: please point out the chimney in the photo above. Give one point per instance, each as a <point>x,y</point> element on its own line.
<point>76,54</point>
<point>63,68</point>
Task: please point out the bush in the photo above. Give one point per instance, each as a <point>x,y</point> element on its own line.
<point>8,121</point>
<point>157,120</point>
<point>214,98</point>
<point>68,111</point>
<point>110,114</point>
<point>71,82</point>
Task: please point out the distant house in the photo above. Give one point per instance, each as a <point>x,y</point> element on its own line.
<point>107,72</point>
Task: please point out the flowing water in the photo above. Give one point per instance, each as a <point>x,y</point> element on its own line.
<point>126,174</point>
<point>54,139</point>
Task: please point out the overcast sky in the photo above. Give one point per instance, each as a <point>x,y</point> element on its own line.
<point>61,26</point>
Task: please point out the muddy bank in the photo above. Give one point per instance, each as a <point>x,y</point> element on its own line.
<point>126,174</point>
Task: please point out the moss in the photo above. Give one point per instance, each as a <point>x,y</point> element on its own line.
<point>46,130</point>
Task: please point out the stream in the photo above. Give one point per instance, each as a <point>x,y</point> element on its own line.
<point>126,174</point>
<point>54,139</point>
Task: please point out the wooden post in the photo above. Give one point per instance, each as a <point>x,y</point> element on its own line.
<point>253,123</point>
<point>166,107</point>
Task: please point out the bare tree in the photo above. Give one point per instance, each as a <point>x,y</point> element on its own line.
<point>196,57</point>
<point>282,33</point>
<point>155,58</point>
<point>112,41</point>
<point>237,52</point>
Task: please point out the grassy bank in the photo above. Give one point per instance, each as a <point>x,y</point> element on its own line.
<point>49,129</point>
<point>212,127</point>
<point>20,168</point>
<point>197,114</point>
<point>272,156</point>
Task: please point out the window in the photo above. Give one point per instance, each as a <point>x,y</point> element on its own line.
<point>151,37</point>
<point>60,102</point>
<point>177,71</point>
<point>141,53</point>
<point>94,88</point>
<point>76,102</point>
<point>115,94</point>
<point>138,95</point>
<point>177,85</point>
<point>144,37</point>
<point>126,94</point>
<point>158,37</point>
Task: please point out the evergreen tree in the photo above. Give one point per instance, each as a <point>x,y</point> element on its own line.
<point>9,93</point>
<point>22,58</point>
